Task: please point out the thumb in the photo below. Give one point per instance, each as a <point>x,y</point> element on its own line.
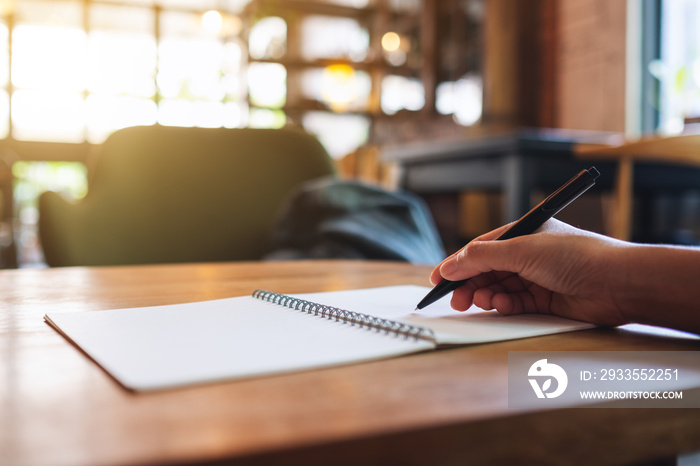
<point>485,256</point>
<point>436,274</point>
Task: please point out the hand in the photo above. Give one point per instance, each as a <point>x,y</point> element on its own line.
<point>558,270</point>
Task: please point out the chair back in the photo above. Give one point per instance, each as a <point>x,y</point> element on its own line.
<point>162,194</point>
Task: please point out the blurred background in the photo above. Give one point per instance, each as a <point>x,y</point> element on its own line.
<point>361,75</point>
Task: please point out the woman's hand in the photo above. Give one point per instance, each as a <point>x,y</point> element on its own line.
<point>559,270</point>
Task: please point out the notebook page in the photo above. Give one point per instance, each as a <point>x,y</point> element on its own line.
<point>451,327</point>
<point>168,346</point>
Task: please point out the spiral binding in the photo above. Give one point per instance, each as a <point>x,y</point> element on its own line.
<point>353,318</point>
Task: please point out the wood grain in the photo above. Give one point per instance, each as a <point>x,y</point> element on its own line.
<point>442,407</point>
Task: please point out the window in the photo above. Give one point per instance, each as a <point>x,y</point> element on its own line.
<point>121,64</point>
<point>4,80</point>
<point>462,99</point>
<point>339,86</point>
<point>327,37</point>
<point>82,69</point>
<point>31,179</point>
<point>48,70</point>
<point>399,93</point>
<point>267,82</point>
<point>678,69</point>
<point>355,130</point>
<point>198,73</point>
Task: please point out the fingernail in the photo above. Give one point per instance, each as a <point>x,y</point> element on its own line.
<point>448,268</point>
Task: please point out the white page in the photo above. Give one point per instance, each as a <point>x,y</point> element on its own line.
<point>167,346</point>
<point>451,327</point>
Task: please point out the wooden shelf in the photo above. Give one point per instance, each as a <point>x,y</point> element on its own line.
<point>373,65</point>
<point>424,59</point>
<point>307,7</point>
<point>312,105</point>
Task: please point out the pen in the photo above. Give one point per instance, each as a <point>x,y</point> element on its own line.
<point>530,222</point>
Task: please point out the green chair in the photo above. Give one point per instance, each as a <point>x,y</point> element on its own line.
<point>161,195</point>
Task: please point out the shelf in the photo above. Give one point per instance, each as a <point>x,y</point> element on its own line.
<point>374,65</point>
<point>434,30</point>
<point>274,7</point>
<point>312,105</point>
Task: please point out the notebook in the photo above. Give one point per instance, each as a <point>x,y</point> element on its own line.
<point>161,347</point>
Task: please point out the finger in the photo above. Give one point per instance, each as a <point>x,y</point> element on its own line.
<point>462,298</point>
<point>458,267</point>
<point>534,300</point>
<point>482,298</point>
<point>505,303</point>
<point>487,279</point>
<point>511,282</point>
<point>435,275</point>
<point>477,291</point>
<point>493,234</point>
<point>484,256</point>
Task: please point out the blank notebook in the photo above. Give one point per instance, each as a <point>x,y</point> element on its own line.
<point>168,346</point>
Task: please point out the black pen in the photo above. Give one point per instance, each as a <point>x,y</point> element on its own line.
<point>530,222</point>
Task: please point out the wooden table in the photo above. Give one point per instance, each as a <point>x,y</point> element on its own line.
<point>444,407</point>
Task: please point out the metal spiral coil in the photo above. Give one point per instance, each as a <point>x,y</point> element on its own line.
<point>341,315</point>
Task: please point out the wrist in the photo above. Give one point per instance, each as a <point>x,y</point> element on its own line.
<point>658,285</point>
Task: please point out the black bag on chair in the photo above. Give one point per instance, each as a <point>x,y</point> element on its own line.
<point>334,219</point>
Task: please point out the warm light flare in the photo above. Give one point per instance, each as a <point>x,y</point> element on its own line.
<point>7,7</point>
<point>212,21</point>
<point>391,42</point>
<point>338,86</point>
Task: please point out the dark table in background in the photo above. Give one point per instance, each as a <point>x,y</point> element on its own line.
<point>519,162</point>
